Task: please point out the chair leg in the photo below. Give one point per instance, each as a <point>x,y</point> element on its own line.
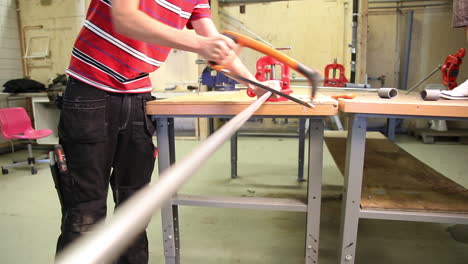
<point>31,161</point>
<point>12,145</point>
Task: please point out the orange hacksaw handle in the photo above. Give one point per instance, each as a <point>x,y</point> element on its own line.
<point>312,75</point>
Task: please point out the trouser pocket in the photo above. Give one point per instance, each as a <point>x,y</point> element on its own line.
<point>83,121</point>
<point>84,116</point>
<point>142,126</point>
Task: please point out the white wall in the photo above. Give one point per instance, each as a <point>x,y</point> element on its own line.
<point>10,48</point>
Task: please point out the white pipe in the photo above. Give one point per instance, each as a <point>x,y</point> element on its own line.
<point>108,240</point>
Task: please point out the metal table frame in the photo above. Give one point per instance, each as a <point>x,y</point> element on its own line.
<point>301,149</point>
<point>351,210</point>
<point>170,218</point>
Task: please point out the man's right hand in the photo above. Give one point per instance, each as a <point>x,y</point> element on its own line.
<point>219,49</point>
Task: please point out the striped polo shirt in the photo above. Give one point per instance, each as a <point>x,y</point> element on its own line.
<point>112,62</point>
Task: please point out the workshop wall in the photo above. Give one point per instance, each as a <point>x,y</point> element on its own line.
<point>178,72</point>
<point>56,22</point>
<point>61,21</point>
<point>317,31</point>
<point>10,52</point>
<point>432,40</point>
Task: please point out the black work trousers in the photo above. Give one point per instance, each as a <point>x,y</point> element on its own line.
<point>106,138</point>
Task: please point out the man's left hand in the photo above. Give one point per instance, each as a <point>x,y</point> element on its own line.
<point>275,84</point>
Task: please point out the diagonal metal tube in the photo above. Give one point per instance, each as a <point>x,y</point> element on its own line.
<point>108,240</point>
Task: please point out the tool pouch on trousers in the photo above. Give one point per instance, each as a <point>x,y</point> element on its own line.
<point>62,179</point>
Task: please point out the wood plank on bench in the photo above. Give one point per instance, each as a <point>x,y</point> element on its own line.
<point>396,180</point>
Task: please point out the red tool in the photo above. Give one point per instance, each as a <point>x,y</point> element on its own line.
<point>335,82</point>
<point>451,68</point>
<point>312,75</point>
<point>266,71</point>
<point>60,159</point>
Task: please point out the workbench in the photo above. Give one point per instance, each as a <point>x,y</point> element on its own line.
<point>228,104</point>
<point>448,206</point>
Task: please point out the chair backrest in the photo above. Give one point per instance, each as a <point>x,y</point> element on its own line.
<point>13,121</point>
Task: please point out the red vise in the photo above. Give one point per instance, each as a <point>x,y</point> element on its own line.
<point>451,68</point>
<point>333,81</point>
<point>266,71</point>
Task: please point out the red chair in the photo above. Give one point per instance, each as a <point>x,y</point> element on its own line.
<point>16,124</point>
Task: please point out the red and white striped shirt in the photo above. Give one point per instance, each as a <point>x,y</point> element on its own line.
<point>112,62</point>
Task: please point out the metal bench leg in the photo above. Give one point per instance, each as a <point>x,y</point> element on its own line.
<point>314,190</point>
<point>355,149</point>
<point>169,213</point>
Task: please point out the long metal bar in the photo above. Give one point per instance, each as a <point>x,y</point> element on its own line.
<point>431,217</point>
<point>425,78</point>
<point>108,240</point>
<point>337,88</point>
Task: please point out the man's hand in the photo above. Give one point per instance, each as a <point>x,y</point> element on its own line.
<point>275,84</point>
<point>217,48</point>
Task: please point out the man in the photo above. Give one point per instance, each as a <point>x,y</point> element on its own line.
<point>103,128</point>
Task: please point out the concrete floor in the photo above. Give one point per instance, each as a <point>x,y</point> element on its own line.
<point>29,212</point>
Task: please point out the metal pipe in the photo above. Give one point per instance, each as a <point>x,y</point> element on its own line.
<point>354,40</point>
<point>409,6</point>
<point>425,78</point>
<point>327,88</point>
<point>108,240</point>
<point>406,58</point>
<point>337,88</point>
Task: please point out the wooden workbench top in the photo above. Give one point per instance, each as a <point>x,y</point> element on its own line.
<point>412,104</point>
<point>232,103</point>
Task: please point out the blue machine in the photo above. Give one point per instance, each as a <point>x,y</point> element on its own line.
<point>216,81</point>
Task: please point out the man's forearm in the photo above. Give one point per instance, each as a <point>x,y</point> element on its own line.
<point>206,27</point>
